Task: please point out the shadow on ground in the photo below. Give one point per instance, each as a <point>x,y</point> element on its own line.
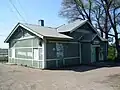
<point>84,68</point>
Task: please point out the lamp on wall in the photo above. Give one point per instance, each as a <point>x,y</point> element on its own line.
<point>40,42</point>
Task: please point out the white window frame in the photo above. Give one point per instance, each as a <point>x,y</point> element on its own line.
<point>13,52</point>
<point>41,53</point>
<point>36,57</point>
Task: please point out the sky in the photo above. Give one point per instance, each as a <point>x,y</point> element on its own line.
<point>31,11</point>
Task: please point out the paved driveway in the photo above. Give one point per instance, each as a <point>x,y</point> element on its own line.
<point>13,77</point>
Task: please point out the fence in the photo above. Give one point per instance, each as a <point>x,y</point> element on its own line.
<point>3,55</point>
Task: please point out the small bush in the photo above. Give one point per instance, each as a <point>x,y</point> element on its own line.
<point>111,53</point>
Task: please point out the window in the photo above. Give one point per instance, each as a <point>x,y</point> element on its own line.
<point>59,50</point>
<point>40,54</point>
<point>36,55</point>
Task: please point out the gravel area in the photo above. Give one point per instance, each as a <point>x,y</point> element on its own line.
<point>13,77</point>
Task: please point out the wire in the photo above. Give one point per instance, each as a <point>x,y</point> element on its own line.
<point>21,7</point>
<point>11,10</point>
<point>17,10</point>
<point>2,35</point>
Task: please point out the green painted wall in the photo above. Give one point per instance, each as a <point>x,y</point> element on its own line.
<point>85,31</point>
<point>23,49</point>
<point>51,64</point>
<point>69,50</point>
<point>59,63</point>
<point>72,62</point>
<point>86,53</point>
<point>24,53</point>
<point>104,46</point>
<point>51,50</point>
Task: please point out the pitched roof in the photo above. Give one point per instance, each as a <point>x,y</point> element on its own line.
<point>46,31</point>
<point>76,24</point>
<point>42,31</point>
<point>39,31</point>
<point>71,26</point>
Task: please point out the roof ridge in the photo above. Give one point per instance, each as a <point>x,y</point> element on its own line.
<point>60,26</point>
<point>38,25</point>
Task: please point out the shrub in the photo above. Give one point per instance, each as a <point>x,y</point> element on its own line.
<point>111,53</point>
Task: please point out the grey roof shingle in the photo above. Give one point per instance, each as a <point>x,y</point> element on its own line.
<point>71,26</point>
<point>42,31</point>
<point>46,31</point>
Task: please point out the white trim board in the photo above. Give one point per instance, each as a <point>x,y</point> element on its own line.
<point>32,53</point>
<point>25,38</point>
<point>62,42</point>
<point>94,37</point>
<point>44,53</point>
<point>63,58</point>
<point>51,59</point>
<point>28,29</point>
<point>26,47</point>
<point>25,59</point>
<point>85,41</point>
<point>71,57</point>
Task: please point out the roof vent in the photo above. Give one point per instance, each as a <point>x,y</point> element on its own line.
<point>41,22</point>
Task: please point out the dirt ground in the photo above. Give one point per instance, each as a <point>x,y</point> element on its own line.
<point>13,77</point>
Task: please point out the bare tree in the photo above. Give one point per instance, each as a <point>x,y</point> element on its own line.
<point>104,14</point>
<point>112,10</point>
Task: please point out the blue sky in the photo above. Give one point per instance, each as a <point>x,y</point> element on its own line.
<point>32,11</point>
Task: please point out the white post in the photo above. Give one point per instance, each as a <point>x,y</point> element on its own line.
<point>32,53</point>
<point>9,55</point>
<point>44,53</point>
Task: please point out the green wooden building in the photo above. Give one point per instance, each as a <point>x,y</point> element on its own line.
<point>45,47</point>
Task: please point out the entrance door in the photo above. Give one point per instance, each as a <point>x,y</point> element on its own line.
<point>93,56</point>
<point>97,53</point>
<point>101,54</point>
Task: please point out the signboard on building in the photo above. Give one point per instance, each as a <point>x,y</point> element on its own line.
<point>95,42</point>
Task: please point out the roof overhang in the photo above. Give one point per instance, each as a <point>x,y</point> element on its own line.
<point>93,28</point>
<point>28,29</point>
<point>80,25</point>
<point>57,38</point>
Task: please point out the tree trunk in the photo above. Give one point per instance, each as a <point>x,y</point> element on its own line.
<point>106,30</point>
<point>106,37</point>
<point>101,33</point>
<point>117,47</point>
